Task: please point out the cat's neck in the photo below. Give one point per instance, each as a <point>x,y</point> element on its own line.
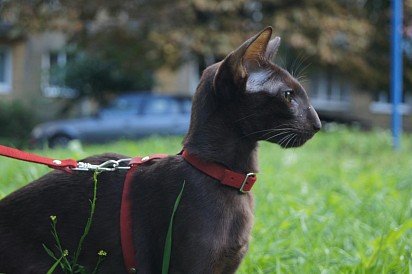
<point>220,148</point>
<point>213,135</point>
<point>218,142</point>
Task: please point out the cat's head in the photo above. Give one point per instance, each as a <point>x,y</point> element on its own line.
<point>263,100</point>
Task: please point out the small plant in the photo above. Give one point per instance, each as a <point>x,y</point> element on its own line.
<point>72,266</point>
<point>62,259</point>
<point>102,254</point>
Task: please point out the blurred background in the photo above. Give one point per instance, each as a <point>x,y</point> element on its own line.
<point>102,70</point>
<point>63,59</point>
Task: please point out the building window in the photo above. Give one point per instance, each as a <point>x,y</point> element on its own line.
<point>382,103</point>
<point>329,91</point>
<point>5,70</point>
<point>52,63</point>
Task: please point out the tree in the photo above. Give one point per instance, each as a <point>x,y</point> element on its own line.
<point>352,36</point>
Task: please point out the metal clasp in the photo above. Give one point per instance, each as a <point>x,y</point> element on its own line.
<point>110,165</point>
<point>245,181</point>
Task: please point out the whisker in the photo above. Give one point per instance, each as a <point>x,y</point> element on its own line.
<point>282,130</point>
<point>267,133</point>
<point>281,127</point>
<point>294,140</point>
<point>290,139</point>
<point>273,131</point>
<point>285,128</point>
<point>303,77</point>
<point>282,62</point>
<point>283,140</point>
<point>300,140</point>
<point>292,67</point>
<point>303,69</point>
<point>298,69</point>
<point>259,131</point>
<point>296,64</point>
<point>247,116</point>
<point>277,134</point>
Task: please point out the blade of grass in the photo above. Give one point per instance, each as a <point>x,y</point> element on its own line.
<point>168,243</point>
<point>49,252</point>
<point>53,267</point>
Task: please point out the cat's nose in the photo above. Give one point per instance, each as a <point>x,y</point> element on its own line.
<point>316,123</point>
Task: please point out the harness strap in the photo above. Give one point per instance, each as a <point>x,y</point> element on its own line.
<point>243,182</point>
<point>126,231</point>
<point>126,228</point>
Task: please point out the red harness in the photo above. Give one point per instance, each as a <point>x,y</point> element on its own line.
<point>242,182</point>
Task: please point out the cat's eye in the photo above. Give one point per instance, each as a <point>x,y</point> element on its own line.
<point>288,95</point>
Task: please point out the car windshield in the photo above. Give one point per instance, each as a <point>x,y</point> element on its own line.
<point>161,106</point>
<point>124,105</point>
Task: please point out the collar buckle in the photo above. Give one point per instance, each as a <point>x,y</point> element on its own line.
<point>249,175</point>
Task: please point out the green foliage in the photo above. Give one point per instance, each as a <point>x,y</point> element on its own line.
<point>95,77</point>
<point>16,122</point>
<point>72,265</point>
<point>339,204</point>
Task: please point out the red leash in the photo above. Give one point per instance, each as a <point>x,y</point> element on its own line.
<point>30,157</point>
<point>242,182</point>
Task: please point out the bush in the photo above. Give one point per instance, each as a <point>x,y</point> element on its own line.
<point>16,122</point>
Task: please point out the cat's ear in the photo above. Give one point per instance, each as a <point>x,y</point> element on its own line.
<point>256,51</point>
<point>272,48</point>
<point>233,71</point>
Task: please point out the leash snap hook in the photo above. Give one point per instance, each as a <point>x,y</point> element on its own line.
<point>110,165</point>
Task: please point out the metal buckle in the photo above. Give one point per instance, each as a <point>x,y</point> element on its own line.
<point>245,181</point>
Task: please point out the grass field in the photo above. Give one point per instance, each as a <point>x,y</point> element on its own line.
<point>340,204</point>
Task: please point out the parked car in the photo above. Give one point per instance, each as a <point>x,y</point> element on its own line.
<point>129,116</point>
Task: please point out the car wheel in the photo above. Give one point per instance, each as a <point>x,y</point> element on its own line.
<point>59,141</point>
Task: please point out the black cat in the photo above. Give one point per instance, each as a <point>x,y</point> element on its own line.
<point>241,100</point>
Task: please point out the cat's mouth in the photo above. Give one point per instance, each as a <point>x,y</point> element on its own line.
<point>298,140</point>
<point>290,139</point>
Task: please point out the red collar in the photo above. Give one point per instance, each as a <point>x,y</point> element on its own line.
<point>240,181</point>
<point>243,182</point>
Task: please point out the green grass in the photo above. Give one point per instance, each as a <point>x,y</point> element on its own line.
<point>340,204</point>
